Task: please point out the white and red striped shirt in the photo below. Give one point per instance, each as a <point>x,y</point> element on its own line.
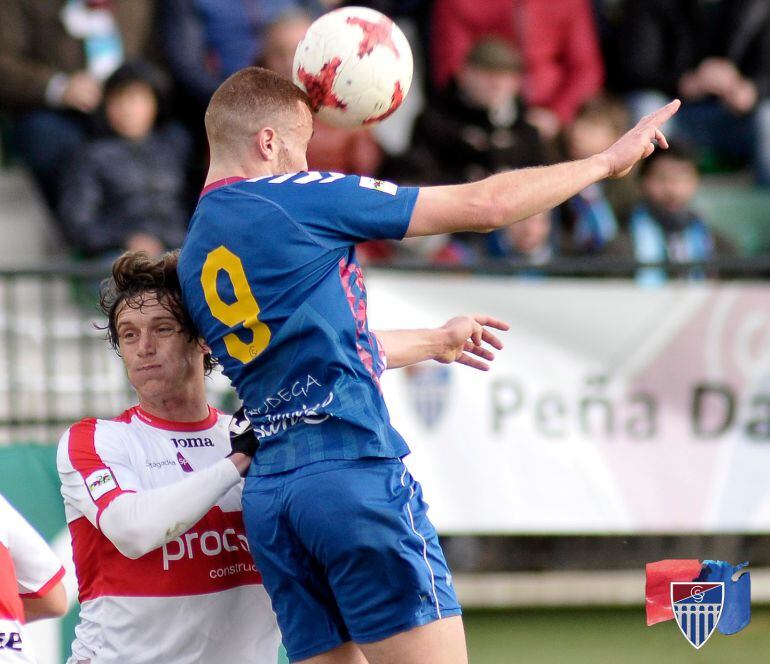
<point>28,569</point>
<point>197,598</point>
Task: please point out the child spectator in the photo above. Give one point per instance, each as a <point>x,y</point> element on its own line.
<point>664,227</point>
<point>127,190</point>
<point>478,126</point>
<point>529,241</point>
<point>590,220</point>
<point>54,58</point>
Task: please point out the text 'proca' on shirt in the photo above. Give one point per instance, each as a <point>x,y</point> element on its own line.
<point>270,278</point>
<point>179,600</point>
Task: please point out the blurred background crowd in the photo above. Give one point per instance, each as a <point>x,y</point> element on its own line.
<point>102,102</point>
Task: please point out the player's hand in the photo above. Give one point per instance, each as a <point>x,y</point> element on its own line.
<point>464,338</point>
<point>639,142</point>
<point>243,442</point>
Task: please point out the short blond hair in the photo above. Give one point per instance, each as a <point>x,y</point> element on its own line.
<point>247,101</point>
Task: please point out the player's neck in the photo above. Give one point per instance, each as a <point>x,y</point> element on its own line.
<point>223,169</point>
<point>182,408</point>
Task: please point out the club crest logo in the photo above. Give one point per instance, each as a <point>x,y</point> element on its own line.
<point>428,389</point>
<point>697,608</point>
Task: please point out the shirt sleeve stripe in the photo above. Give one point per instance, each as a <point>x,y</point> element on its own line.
<point>85,459</point>
<point>46,587</point>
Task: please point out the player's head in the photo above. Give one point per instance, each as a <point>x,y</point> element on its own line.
<point>149,327</point>
<point>599,122</point>
<point>258,116</point>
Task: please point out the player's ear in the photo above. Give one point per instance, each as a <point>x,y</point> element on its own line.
<point>266,143</point>
<point>203,347</point>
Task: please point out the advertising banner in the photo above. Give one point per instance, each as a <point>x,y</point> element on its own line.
<point>612,408</point>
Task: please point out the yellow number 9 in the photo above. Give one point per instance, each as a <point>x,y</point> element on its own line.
<point>244,311</point>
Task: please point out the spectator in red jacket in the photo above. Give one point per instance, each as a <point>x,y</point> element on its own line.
<point>557,40</point>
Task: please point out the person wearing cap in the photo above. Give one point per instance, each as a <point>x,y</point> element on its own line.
<point>478,126</point>
<point>474,129</point>
<point>557,41</point>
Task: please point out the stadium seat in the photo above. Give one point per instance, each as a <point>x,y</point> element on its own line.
<point>739,213</point>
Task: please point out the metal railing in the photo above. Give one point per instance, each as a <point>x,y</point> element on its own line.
<point>56,367</point>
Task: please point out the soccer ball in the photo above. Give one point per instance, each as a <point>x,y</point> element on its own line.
<point>355,65</point>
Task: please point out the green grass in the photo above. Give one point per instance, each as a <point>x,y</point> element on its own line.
<point>617,636</point>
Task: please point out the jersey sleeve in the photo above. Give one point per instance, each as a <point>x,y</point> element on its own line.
<point>37,568</point>
<point>341,210</point>
<point>95,468</point>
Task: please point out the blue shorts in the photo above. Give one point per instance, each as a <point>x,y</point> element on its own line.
<point>346,552</point>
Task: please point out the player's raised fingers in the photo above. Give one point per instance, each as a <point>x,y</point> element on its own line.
<point>477,333</point>
<point>488,321</point>
<point>491,339</point>
<point>472,362</point>
<point>662,115</point>
<point>648,150</point>
<point>660,137</point>
<point>479,350</point>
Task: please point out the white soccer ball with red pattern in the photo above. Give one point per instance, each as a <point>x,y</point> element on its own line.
<point>355,65</point>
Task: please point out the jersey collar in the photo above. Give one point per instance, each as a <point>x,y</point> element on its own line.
<point>220,183</point>
<point>169,425</point>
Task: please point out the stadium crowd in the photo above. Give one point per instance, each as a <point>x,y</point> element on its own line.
<point>103,101</point>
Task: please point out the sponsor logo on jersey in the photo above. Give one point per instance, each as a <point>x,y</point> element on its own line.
<point>208,543</point>
<point>10,641</point>
<point>100,482</point>
<point>192,442</point>
<point>184,463</point>
<point>697,609</point>
<point>297,389</point>
<point>378,185</point>
<point>157,465</point>
<point>283,421</point>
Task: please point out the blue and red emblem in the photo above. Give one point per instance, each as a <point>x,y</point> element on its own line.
<point>701,596</point>
<point>697,609</point>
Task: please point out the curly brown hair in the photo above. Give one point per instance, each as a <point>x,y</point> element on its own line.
<point>136,276</point>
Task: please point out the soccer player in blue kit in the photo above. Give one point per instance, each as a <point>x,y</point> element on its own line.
<point>335,522</point>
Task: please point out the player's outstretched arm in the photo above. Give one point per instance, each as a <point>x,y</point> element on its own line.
<point>505,198</point>
<point>460,339</point>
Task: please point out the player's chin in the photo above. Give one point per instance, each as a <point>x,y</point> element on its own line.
<point>151,384</point>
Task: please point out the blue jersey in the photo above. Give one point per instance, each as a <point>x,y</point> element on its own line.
<point>270,278</point>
